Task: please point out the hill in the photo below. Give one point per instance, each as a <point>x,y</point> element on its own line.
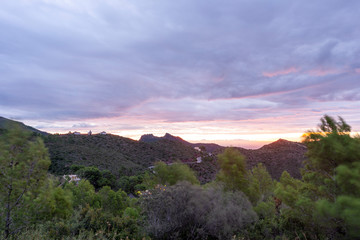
<point>278,156</point>
<point>209,147</point>
<point>7,123</point>
<point>127,156</point>
<point>112,152</point>
<point>150,138</point>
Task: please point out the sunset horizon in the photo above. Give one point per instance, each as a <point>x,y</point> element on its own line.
<point>252,137</point>
<point>244,71</point>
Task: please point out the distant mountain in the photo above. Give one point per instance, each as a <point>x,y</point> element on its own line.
<point>149,138</point>
<point>209,147</point>
<point>127,156</point>
<point>7,124</point>
<point>277,157</point>
<point>117,153</point>
<point>112,152</point>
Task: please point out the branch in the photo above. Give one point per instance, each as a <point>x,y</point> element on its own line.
<point>18,199</point>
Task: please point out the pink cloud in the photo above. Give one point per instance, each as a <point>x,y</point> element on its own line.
<point>357,70</point>
<point>280,72</point>
<point>323,72</point>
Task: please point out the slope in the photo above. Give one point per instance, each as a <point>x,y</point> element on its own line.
<point>7,123</point>
<point>112,152</point>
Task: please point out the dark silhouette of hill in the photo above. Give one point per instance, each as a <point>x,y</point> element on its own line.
<point>278,156</point>
<point>150,138</point>
<point>209,147</point>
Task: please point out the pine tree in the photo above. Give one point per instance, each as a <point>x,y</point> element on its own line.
<point>24,162</point>
<point>233,171</point>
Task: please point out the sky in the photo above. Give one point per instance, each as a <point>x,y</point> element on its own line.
<point>234,72</point>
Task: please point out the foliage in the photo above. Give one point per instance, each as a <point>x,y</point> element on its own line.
<point>111,152</point>
<point>111,201</point>
<point>261,185</point>
<point>326,202</point>
<point>83,193</point>
<point>130,184</point>
<point>257,183</point>
<point>176,172</point>
<point>345,210</point>
<point>52,202</point>
<point>96,177</point>
<point>330,146</point>
<point>186,211</point>
<point>233,171</point>
<point>242,204</point>
<point>23,164</point>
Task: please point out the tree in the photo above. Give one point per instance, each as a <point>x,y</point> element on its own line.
<point>96,177</point>
<point>52,202</point>
<point>327,200</point>
<point>329,146</point>
<point>83,193</point>
<point>24,162</point>
<point>92,174</point>
<point>261,185</point>
<point>111,201</point>
<point>233,171</point>
<point>332,176</point>
<point>176,172</point>
<point>345,210</point>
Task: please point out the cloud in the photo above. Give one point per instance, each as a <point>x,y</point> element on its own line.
<point>83,125</point>
<point>280,72</point>
<point>323,72</point>
<point>176,61</point>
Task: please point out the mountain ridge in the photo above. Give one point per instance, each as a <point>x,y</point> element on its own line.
<point>116,153</point>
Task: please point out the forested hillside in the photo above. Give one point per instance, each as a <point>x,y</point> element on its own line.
<point>168,202</point>
<point>122,155</point>
<point>278,156</point>
<point>112,152</point>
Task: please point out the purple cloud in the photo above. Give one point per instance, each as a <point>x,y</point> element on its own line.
<point>177,61</point>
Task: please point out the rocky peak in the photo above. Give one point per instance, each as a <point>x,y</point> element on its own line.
<point>149,138</point>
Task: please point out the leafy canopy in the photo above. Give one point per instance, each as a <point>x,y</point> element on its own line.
<point>24,162</point>
<point>176,172</point>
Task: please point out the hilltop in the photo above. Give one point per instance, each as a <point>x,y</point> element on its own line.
<point>112,152</point>
<point>7,124</point>
<point>277,156</point>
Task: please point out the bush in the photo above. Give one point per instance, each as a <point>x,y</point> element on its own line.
<point>184,211</point>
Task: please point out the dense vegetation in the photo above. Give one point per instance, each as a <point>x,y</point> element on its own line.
<point>113,153</point>
<point>168,202</point>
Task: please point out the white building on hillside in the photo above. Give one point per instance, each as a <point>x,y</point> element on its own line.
<point>72,178</point>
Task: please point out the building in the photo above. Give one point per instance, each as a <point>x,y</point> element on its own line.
<point>72,178</point>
